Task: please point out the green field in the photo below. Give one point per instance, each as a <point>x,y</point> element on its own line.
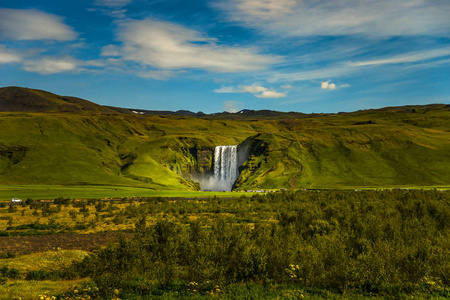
<point>50,192</point>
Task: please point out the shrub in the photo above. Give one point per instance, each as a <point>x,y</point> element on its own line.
<point>373,242</point>
<point>40,275</point>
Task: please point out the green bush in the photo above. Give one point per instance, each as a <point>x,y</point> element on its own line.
<point>372,242</point>
<point>41,275</point>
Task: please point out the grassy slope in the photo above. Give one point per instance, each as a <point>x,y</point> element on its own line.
<point>393,149</point>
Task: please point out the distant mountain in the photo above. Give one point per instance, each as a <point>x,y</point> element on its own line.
<point>19,99</point>
<point>166,112</point>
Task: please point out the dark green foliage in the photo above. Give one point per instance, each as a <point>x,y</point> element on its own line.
<point>7,272</point>
<point>62,201</point>
<point>371,242</point>
<point>34,226</point>
<point>80,226</point>
<point>8,254</point>
<point>41,275</point>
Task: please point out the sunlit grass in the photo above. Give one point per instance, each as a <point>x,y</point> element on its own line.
<point>26,290</point>
<point>48,261</point>
<point>50,192</point>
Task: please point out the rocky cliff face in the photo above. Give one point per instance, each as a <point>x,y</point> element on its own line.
<point>205,158</point>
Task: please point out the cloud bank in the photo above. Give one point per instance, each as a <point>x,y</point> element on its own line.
<point>165,45</point>
<point>31,24</point>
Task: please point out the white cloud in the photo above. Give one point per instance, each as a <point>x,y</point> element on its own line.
<point>165,45</point>
<point>30,24</point>
<point>270,94</point>
<point>254,89</point>
<point>266,9</point>
<point>225,89</point>
<point>326,85</point>
<point>286,86</point>
<point>112,3</point>
<point>232,106</point>
<point>344,85</point>
<point>342,17</point>
<point>8,56</point>
<point>50,65</point>
<point>257,90</point>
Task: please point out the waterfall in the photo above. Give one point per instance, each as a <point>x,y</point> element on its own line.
<point>226,169</point>
<point>225,164</point>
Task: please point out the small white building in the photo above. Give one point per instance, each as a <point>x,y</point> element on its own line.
<point>15,200</point>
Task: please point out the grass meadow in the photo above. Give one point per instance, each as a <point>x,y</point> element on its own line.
<point>50,192</point>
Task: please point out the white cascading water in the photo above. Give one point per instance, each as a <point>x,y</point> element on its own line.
<point>225,167</point>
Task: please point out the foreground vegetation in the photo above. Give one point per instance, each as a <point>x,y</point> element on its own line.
<point>312,244</point>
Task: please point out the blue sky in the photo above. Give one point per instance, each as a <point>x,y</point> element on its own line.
<point>216,55</point>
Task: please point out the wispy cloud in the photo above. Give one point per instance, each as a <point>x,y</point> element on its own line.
<point>50,65</point>
<point>341,17</point>
<point>315,74</point>
<point>266,9</point>
<point>232,106</point>
<point>112,3</point>
<point>157,74</point>
<point>257,90</point>
<point>420,59</point>
<point>164,45</point>
<point>30,24</point>
<point>405,58</point>
<point>9,56</point>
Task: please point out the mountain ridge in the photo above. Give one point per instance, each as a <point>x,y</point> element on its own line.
<point>20,99</point>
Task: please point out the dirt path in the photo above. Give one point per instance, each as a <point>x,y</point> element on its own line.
<point>69,241</point>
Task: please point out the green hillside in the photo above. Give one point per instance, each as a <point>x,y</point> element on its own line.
<point>407,146</point>
<point>31,100</point>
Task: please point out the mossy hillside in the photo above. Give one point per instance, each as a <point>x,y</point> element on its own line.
<point>370,148</point>
<point>350,156</point>
<point>128,150</point>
